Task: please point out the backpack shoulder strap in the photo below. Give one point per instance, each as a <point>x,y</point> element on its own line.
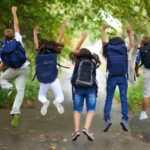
<point>3,41</point>
<point>17,42</point>
<point>34,76</point>
<point>63,66</point>
<point>140,65</point>
<point>77,64</point>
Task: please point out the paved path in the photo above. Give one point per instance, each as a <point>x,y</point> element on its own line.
<point>42,133</point>
<point>53,131</point>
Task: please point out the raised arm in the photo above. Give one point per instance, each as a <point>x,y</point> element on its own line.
<point>137,61</point>
<point>61,33</point>
<point>104,27</point>
<point>16,22</point>
<point>130,44</point>
<point>35,34</point>
<point>83,37</point>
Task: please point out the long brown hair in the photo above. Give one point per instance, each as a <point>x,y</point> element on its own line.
<point>50,45</point>
<point>85,53</point>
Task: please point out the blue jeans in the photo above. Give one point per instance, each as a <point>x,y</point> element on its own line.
<point>84,93</point>
<point>112,82</point>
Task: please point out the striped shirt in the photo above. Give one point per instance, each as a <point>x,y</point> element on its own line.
<point>138,57</point>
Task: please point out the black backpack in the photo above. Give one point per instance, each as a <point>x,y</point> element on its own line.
<point>84,74</point>
<point>145,56</point>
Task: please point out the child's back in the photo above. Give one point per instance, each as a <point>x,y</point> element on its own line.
<point>115,51</point>
<point>84,87</point>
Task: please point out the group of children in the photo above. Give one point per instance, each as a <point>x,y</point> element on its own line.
<point>84,84</point>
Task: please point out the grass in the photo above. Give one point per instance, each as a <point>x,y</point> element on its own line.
<point>31,90</point>
<point>3,97</point>
<point>31,93</point>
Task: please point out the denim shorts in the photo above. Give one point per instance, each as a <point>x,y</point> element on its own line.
<point>89,94</point>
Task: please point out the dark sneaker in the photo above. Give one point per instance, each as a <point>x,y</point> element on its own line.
<point>75,135</point>
<point>107,125</point>
<point>15,121</point>
<point>88,134</point>
<point>124,125</point>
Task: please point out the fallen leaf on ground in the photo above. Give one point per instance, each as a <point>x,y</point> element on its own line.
<point>52,148</point>
<point>64,140</point>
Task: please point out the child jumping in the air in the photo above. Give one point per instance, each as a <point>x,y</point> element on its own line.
<point>115,51</point>
<point>84,87</point>
<point>46,69</point>
<point>13,55</point>
<point>143,55</point>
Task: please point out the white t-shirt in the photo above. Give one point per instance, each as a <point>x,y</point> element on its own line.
<point>18,37</point>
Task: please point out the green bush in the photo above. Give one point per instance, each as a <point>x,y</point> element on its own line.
<point>31,93</point>
<point>31,90</point>
<point>3,97</point>
<point>135,93</point>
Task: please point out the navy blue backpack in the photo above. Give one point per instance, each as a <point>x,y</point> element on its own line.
<point>13,54</point>
<point>117,59</point>
<point>46,66</point>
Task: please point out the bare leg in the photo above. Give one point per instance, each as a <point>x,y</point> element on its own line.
<point>76,116</point>
<point>144,104</point>
<point>89,118</point>
<point>143,114</point>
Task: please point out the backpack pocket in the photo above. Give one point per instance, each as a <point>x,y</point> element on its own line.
<point>46,68</point>
<point>85,74</point>
<point>117,65</point>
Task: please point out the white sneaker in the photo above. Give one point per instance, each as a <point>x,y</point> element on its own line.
<point>44,108</point>
<point>59,107</point>
<point>143,115</point>
<point>6,85</point>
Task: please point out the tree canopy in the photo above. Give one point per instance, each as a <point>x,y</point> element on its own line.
<point>81,15</point>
